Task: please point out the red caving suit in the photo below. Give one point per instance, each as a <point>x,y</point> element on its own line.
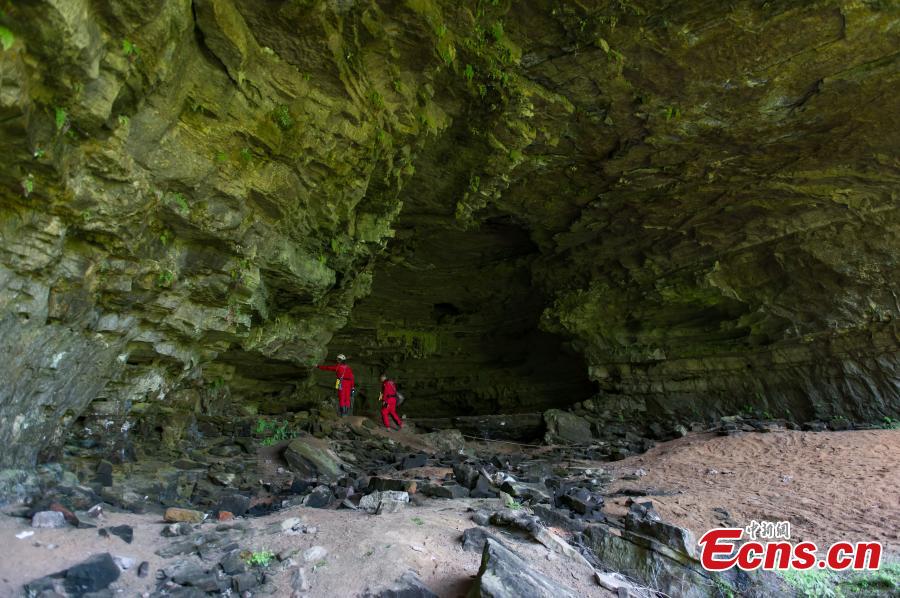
<point>343,373</point>
<point>389,396</point>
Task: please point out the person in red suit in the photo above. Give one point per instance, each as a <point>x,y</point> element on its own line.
<point>389,402</point>
<point>343,383</point>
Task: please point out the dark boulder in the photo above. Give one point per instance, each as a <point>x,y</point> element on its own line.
<point>503,574</point>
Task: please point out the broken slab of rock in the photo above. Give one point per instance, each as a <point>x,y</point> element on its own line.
<point>48,520</point>
<point>92,575</point>
<point>445,491</point>
<point>388,501</point>
<point>379,483</point>
<point>311,460</point>
<point>503,574</point>
<point>474,538</point>
<point>176,515</point>
<point>409,585</point>
<point>567,428</point>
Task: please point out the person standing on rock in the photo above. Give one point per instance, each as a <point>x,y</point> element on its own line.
<point>389,402</point>
<point>343,383</point>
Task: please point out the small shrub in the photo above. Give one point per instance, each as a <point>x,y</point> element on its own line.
<point>418,521</point>
<point>812,583</point>
<point>27,185</point>
<point>262,558</point>
<point>7,39</point>
<point>61,117</point>
<point>165,279</point>
<point>130,49</point>
<point>282,117</point>
<point>180,201</point>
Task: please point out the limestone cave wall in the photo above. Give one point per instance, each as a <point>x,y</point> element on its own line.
<point>687,208</point>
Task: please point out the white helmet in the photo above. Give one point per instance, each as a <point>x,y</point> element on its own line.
<point>341,357</point>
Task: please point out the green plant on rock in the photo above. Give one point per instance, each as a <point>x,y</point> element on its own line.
<point>883,582</point>
<point>262,558</point>
<point>282,117</point>
<point>376,99</point>
<point>273,432</point>
<point>7,39</point>
<point>469,73</point>
<point>38,153</point>
<point>890,423</point>
<point>27,185</point>
<point>671,112</point>
<point>61,117</point>
<point>246,154</point>
<point>165,279</point>
<point>812,583</point>
<point>130,49</point>
<point>513,504</point>
<point>179,201</point>
<point>165,237</point>
<point>123,120</point>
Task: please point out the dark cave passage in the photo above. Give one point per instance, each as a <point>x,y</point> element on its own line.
<point>454,317</point>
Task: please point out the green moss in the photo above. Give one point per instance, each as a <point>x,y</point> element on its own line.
<point>7,39</point>
<point>283,118</point>
<point>413,343</point>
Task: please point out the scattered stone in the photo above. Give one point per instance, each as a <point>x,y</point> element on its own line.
<point>315,554</point>
<point>25,534</point>
<point>503,574</point>
<point>445,441</point>
<point>92,575</point>
<point>409,585</point>
<point>482,518</point>
<point>188,464</point>
<point>534,493</point>
<point>95,512</point>
<point>382,484</point>
<point>177,529</point>
<point>320,498</point>
<point>384,502</point>
<point>105,473</point>
<point>311,460</point>
<point>581,501</point>
<point>124,562</point>
<point>238,504</point>
<point>473,539</point>
<point>224,516</point>
<point>466,474</point>
<point>413,461</point>
<point>445,491</point>
<point>232,563</point>
<point>71,519</point>
<point>143,569</point>
<point>222,478</point>
<point>176,515</point>
<point>244,582</point>
<point>299,582</point>
<point>292,525</point>
<point>567,428</point>
<point>348,504</point>
<point>126,532</point>
<point>483,488</point>
<point>48,519</point>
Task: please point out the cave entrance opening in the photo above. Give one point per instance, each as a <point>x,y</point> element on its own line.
<point>454,317</point>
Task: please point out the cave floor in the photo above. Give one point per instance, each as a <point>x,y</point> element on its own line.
<point>830,485</point>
